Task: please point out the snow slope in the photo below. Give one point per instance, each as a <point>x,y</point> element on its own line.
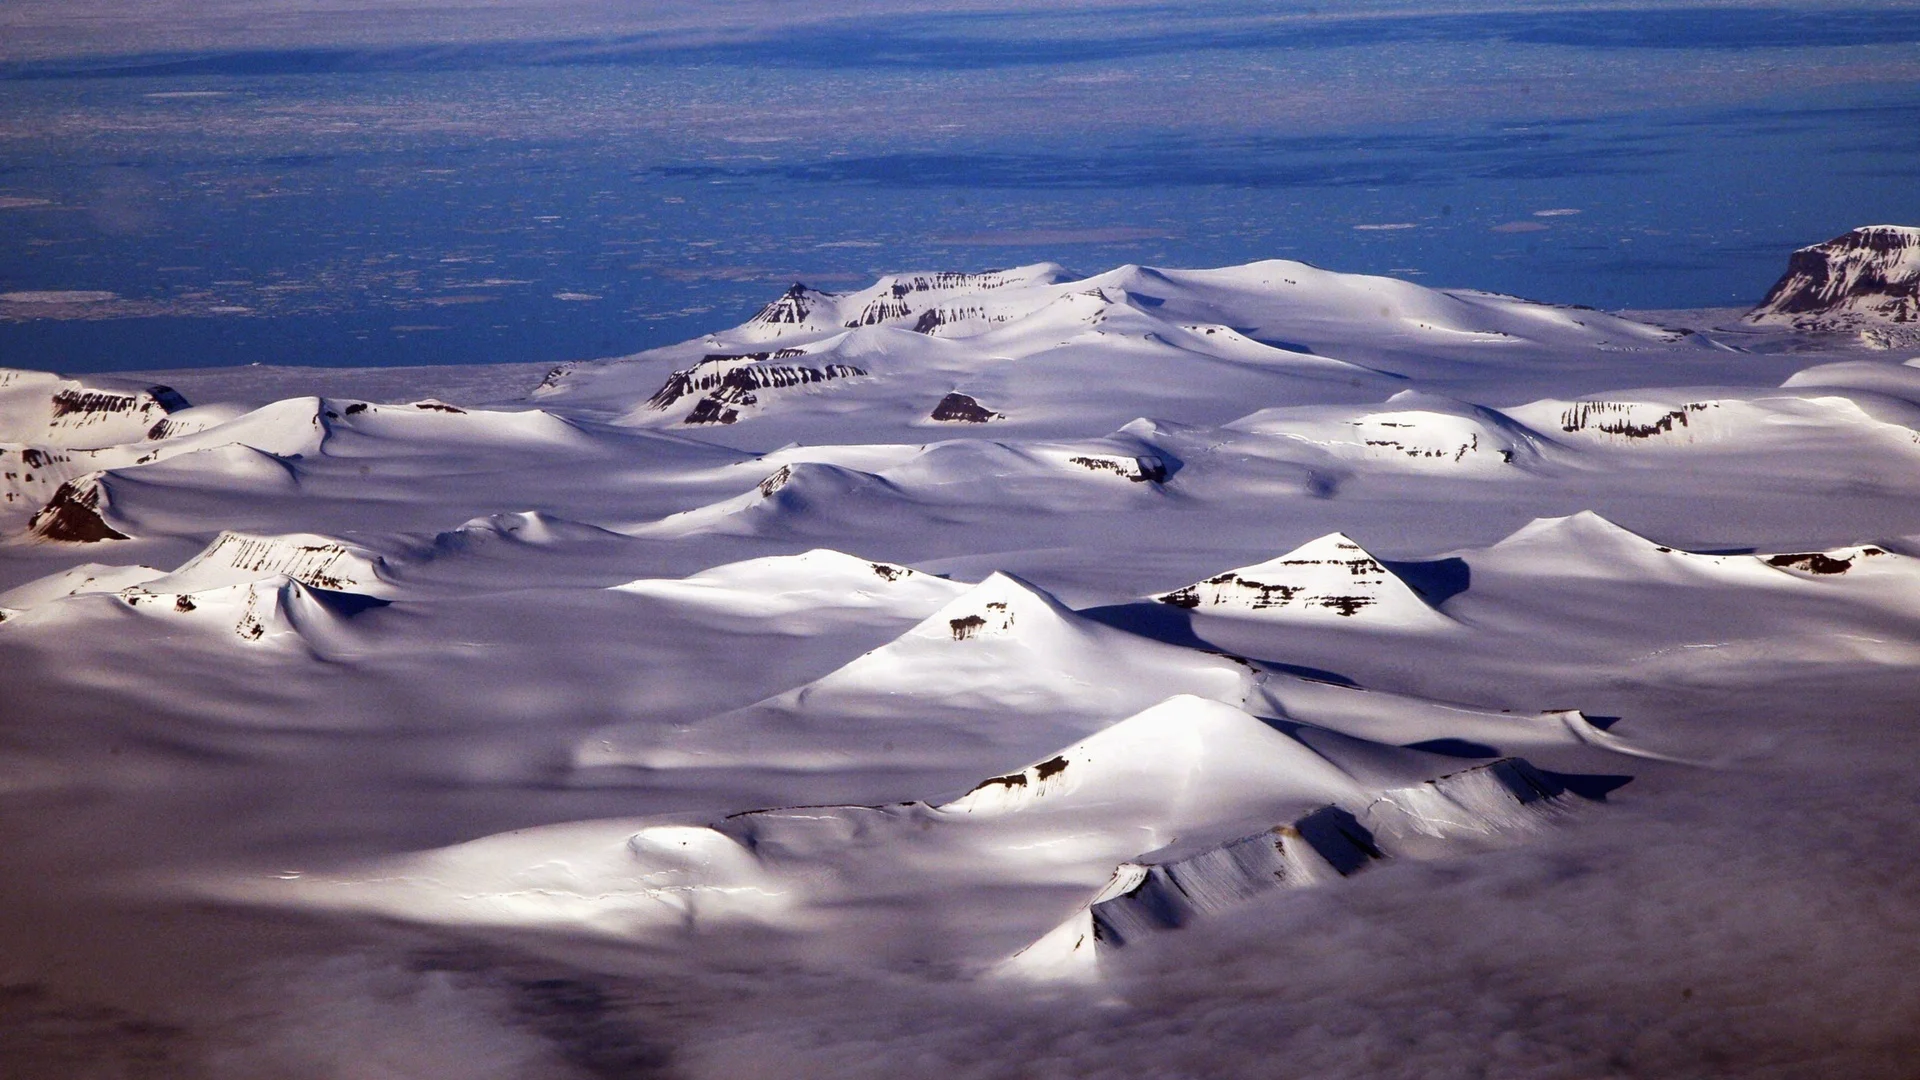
<point>849,647</point>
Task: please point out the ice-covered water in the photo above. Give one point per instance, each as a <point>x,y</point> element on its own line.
<point>583,195</point>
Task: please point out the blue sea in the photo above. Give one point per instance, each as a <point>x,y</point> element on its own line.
<point>562,198</point>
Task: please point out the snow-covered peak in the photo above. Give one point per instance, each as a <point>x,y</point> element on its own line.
<point>721,387</point>
<point>793,497</point>
<point>799,310</point>
<point>1410,431</point>
<point>1332,577</point>
<point>41,409</point>
<point>1192,759</point>
<point>274,610</point>
<point>905,299</point>
<point>1042,346</point>
<point>318,562</point>
<point>1586,545</point>
<point>532,527</point>
<point>1004,665</point>
<point>1002,606</point>
<point>1584,530</point>
<point>922,300</point>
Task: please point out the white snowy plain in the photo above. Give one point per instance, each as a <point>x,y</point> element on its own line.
<point>1252,671</point>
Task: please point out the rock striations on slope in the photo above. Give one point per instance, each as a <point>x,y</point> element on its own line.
<point>1330,579</point>
<point>42,409</point>
<point>318,562</point>
<point>294,588</point>
<point>1865,281</point>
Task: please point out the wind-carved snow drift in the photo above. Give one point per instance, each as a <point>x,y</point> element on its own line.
<point>1867,280</point>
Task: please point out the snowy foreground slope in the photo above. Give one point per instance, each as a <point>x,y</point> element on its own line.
<point>1244,649</point>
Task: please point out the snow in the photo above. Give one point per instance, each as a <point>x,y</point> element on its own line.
<point>1026,670</point>
<point>1501,622</point>
<point>1329,578</point>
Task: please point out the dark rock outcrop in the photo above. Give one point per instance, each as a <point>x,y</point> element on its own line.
<point>729,382</point>
<point>791,309</point>
<point>961,409</point>
<point>73,515</point>
<point>1868,278</point>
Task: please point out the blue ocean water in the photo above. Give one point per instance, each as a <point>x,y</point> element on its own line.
<point>559,199</point>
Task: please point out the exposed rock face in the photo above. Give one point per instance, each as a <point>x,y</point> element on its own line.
<point>318,562</point>
<point>941,315</point>
<point>897,298</point>
<point>40,409</point>
<point>729,382</point>
<point>1169,889</point>
<point>791,309</point>
<point>996,621</point>
<point>73,514</point>
<point>1823,563</point>
<point>775,480</point>
<point>85,402</point>
<point>1331,576</point>
<point>889,305</point>
<point>1867,280</point>
<point>1140,470</point>
<point>961,409</point>
<point>1627,419</point>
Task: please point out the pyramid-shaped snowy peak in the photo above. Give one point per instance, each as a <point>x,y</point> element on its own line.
<point>1184,762</point>
<point>1332,578</point>
<point>1003,670</point>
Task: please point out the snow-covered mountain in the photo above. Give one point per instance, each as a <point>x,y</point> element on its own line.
<point>1115,629</point>
<point>1031,346</point>
<point>1329,578</point>
<point>1866,281</point>
<point>40,409</point>
<point>1003,668</point>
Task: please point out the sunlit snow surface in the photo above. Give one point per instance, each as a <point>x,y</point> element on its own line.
<point>1369,675</point>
